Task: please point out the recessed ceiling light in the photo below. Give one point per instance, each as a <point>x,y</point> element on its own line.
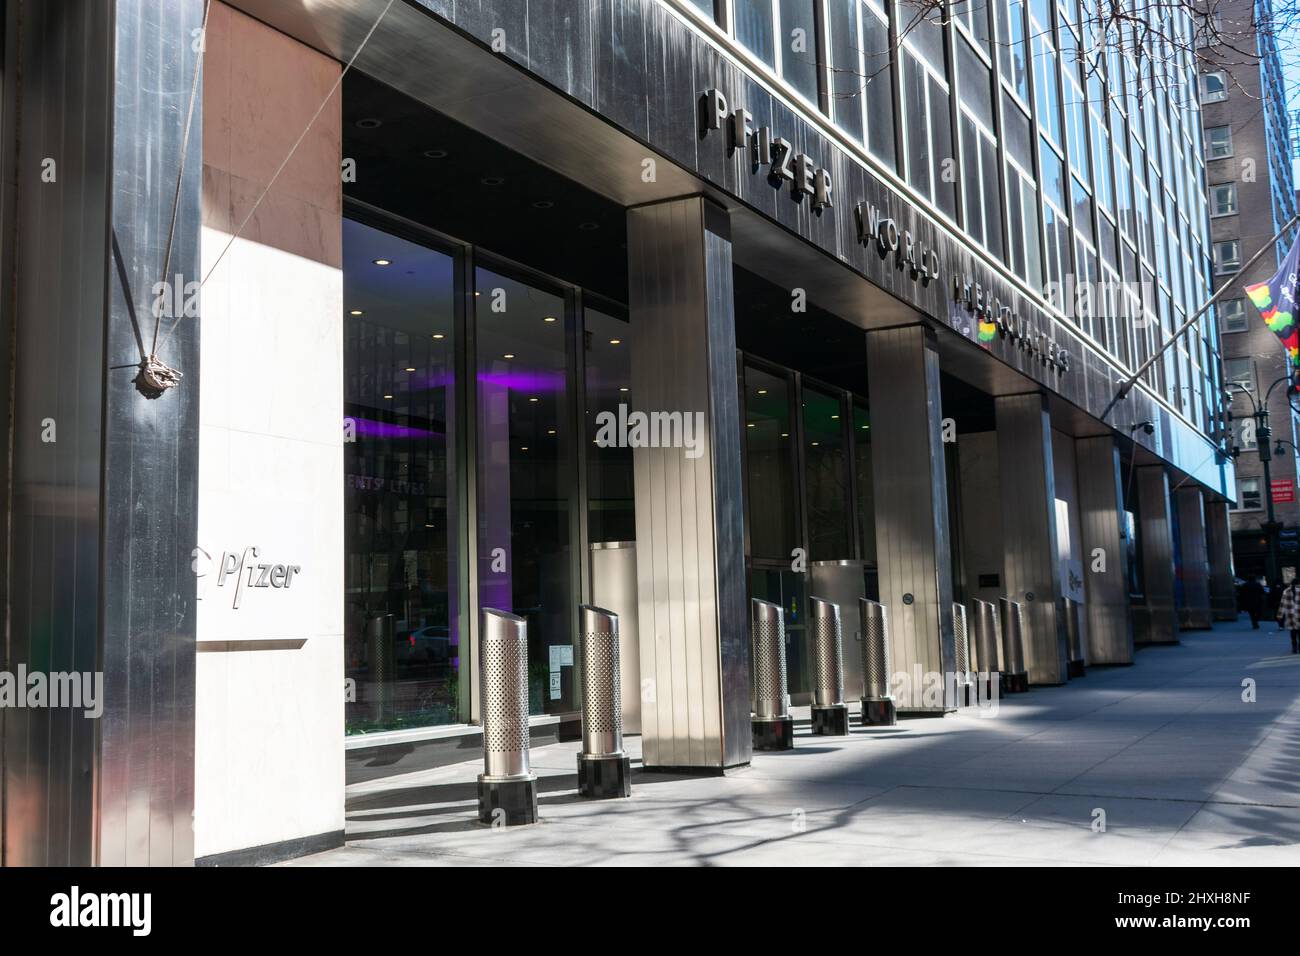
<point>623,389</point>
<point>615,341</point>
<point>388,396</point>
<point>525,448</point>
<point>543,204</point>
<point>478,293</point>
<point>411,369</point>
<point>356,312</point>
<point>383,262</point>
<point>370,122</point>
<point>549,318</point>
<point>437,335</point>
<point>435,154</point>
<point>492,180</point>
<point>785,434</point>
<point>750,425</point>
<point>588,226</point>
<point>533,399</point>
<point>508,355</point>
<point>836,417</point>
<point>814,444</point>
<point>550,431</point>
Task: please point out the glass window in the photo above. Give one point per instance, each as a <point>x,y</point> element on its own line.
<point>826,477</point>
<point>1232,312</point>
<point>1223,199</point>
<point>1248,495</point>
<point>1214,87</point>
<point>1238,371</point>
<point>879,81</point>
<point>769,467</point>
<point>917,123</point>
<point>1218,142</point>
<point>526,472</point>
<point>799,46</point>
<point>1049,101</point>
<point>1227,257</point>
<point>846,66</point>
<point>754,28</point>
<point>611,515</point>
<point>401,640</point>
<point>1014,55</point>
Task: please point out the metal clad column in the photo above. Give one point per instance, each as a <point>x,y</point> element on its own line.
<point>911,508</point>
<point>1105,552</point>
<point>1194,614</point>
<point>1157,546</point>
<point>1030,554</point>
<point>694,623</point>
<point>1218,534</point>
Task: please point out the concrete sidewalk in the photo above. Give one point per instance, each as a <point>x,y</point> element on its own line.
<point>1184,771</point>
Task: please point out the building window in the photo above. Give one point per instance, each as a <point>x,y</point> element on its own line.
<point>1218,142</point>
<point>1248,495</point>
<point>784,36</point>
<point>1223,199</point>
<point>1233,313</point>
<point>1214,87</point>
<point>1227,257</point>
<point>401,636</point>
<point>1237,371</point>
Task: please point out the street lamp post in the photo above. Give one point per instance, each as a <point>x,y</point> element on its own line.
<point>1263,441</point>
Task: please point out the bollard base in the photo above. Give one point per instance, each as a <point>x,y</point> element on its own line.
<point>832,721</point>
<point>776,733</point>
<point>600,778</point>
<point>507,802</point>
<point>878,712</point>
<point>1076,669</point>
<point>1015,683</point>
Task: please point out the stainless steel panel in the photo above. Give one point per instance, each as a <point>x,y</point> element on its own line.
<point>1031,558</point>
<point>613,586</point>
<point>771,690</point>
<point>1194,569</point>
<point>103,518</point>
<point>503,670</point>
<point>827,647</point>
<point>1105,551</point>
<point>911,507</point>
<point>1156,540</point>
<point>844,583</point>
<point>599,682</point>
<point>1223,593</point>
<point>694,625</point>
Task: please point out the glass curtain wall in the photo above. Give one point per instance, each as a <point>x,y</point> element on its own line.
<point>526,474</point>
<point>401,644</point>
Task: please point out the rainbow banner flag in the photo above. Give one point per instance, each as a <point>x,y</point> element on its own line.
<point>1275,300</point>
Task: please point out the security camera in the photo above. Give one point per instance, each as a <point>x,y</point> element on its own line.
<point>1148,426</point>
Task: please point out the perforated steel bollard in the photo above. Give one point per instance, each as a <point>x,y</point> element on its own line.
<point>604,770</point>
<point>507,788</point>
<point>381,668</point>
<point>986,644</point>
<point>1015,679</point>
<point>961,656</point>
<point>1073,637</point>
<point>830,715</point>
<point>773,727</point>
<point>877,702</point>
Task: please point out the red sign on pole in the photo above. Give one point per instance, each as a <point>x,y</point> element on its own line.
<point>1283,491</point>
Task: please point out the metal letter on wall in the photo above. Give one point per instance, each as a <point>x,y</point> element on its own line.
<point>1029,534</point>
<point>911,508</point>
<point>1105,552</point>
<point>694,622</point>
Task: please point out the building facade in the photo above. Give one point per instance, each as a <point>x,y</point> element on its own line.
<point>654,304</point>
<point>1252,196</point>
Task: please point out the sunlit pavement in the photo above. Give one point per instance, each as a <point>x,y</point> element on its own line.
<point>1159,763</point>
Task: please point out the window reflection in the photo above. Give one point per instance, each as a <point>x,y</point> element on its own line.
<point>401,644</point>
<point>611,515</point>
<point>769,465</point>
<point>525,475</point>
<point>826,477</point>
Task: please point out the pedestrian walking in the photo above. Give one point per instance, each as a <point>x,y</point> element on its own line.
<point>1252,600</point>
<point>1288,614</point>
